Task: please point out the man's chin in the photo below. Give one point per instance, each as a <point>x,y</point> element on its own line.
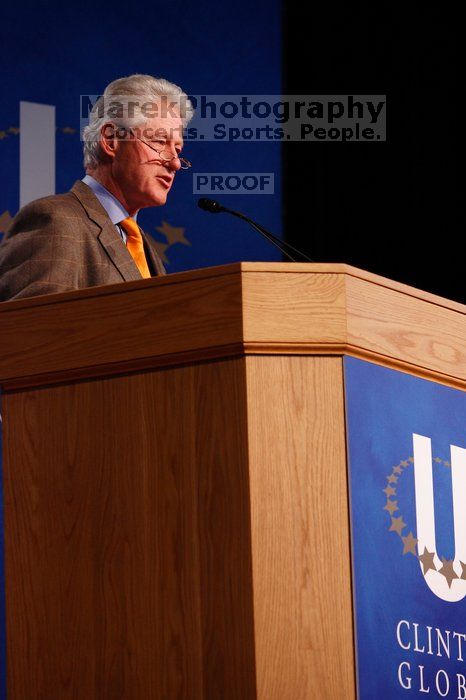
<point>156,199</point>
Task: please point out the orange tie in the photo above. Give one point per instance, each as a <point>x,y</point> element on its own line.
<point>135,245</point>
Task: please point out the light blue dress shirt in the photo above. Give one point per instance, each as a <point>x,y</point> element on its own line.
<point>112,206</point>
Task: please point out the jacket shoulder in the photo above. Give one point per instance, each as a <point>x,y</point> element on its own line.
<point>42,211</point>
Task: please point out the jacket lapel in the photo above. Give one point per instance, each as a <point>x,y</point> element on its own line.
<point>155,259</point>
<point>108,236</point>
<point>118,253</point>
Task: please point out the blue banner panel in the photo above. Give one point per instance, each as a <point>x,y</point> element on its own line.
<point>407,472</point>
<point>54,53</point>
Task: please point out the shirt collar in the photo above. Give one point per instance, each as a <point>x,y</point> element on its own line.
<point>110,203</point>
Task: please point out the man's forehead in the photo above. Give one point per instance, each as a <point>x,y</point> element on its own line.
<point>167,126</point>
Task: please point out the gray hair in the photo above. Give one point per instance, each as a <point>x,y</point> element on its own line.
<point>124,103</point>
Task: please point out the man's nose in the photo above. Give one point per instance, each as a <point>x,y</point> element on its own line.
<point>173,163</point>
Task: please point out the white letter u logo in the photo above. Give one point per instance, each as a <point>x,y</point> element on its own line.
<point>425,519</point>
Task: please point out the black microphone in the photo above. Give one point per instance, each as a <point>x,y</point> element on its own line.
<point>214,207</point>
<point>210,205</point>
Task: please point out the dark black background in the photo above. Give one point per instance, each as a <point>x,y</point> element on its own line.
<point>389,207</point>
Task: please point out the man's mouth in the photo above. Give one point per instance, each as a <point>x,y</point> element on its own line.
<point>166,179</point>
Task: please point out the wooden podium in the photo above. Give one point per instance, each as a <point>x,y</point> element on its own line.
<point>176,502</point>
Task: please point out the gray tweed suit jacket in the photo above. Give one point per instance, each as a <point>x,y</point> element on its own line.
<point>65,242</point>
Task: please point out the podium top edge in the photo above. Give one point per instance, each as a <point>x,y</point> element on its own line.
<point>232,269</point>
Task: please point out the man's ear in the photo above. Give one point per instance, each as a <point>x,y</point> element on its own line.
<point>108,140</point>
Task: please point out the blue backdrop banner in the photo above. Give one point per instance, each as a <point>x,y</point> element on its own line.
<point>53,53</point>
<point>407,460</point>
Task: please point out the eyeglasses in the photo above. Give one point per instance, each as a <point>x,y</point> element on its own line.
<point>165,156</point>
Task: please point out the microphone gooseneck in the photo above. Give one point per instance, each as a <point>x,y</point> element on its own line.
<point>215,207</point>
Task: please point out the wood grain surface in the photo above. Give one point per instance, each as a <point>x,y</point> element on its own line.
<point>300,533</point>
<point>181,533</point>
<point>94,328</point>
<point>388,324</point>
<point>294,307</point>
<point>257,308</point>
<point>127,545</point>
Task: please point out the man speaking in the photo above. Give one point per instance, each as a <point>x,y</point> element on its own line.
<point>90,236</point>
